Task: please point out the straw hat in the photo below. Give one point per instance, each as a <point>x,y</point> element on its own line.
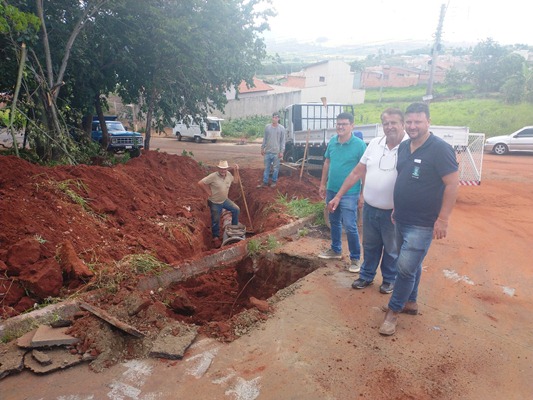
<point>223,164</point>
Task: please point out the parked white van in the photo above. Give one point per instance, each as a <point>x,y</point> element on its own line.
<point>208,130</point>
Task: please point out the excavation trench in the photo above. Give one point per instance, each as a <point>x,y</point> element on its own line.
<point>215,300</point>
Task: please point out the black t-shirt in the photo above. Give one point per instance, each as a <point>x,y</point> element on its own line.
<point>419,187</point>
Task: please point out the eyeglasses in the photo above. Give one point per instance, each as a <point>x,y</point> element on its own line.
<point>388,161</point>
<point>342,124</point>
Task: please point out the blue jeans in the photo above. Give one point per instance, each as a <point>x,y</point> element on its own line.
<point>271,159</point>
<point>379,244</point>
<point>216,209</point>
<point>414,242</point>
<point>345,215</point>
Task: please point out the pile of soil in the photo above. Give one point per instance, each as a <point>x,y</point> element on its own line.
<point>64,226</point>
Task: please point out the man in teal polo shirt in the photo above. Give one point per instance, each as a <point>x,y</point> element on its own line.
<point>342,155</point>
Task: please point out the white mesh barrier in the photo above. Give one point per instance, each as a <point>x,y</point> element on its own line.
<point>470,159</point>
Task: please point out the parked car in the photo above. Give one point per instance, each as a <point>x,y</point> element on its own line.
<point>208,129</point>
<point>521,140</point>
<point>119,138</point>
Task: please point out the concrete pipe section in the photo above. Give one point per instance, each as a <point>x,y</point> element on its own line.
<point>232,233</point>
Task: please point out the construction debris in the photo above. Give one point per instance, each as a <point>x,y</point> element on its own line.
<point>173,341</point>
<point>111,320</point>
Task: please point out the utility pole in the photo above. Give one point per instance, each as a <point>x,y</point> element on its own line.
<point>435,55</point>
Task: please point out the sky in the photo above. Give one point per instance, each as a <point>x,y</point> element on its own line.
<point>380,21</point>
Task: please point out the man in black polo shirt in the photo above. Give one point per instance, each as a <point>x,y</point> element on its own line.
<point>424,196</point>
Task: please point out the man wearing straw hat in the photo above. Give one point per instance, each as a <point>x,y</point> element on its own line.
<point>216,186</point>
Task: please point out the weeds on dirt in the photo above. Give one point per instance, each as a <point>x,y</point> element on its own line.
<point>301,208</point>
<point>256,246</point>
<point>145,264</point>
<point>40,239</point>
<point>303,232</point>
<point>168,227</point>
<point>186,153</point>
<point>110,278</point>
<point>66,187</point>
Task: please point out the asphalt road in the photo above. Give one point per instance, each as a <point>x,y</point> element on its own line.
<point>246,155</point>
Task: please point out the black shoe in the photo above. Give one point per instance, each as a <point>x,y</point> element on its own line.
<point>361,283</point>
<point>386,288</point>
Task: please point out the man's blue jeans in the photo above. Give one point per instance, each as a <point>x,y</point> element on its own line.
<point>345,215</point>
<point>413,242</point>
<point>216,209</point>
<point>379,244</point>
<point>271,159</point>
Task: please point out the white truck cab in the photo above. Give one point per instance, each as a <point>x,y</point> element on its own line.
<point>208,129</point>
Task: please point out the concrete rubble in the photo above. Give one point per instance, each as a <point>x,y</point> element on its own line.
<point>41,350</point>
<point>173,341</point>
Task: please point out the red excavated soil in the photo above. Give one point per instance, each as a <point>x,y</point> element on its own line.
<point>63,227</point>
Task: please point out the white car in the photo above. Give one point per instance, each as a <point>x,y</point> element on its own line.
<point>208,129</point>
<point>521,140</point>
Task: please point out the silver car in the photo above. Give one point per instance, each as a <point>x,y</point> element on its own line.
<point>521,140</point>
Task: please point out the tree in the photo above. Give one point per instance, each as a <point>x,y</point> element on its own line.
<point>171,57</point>
<point>189,53</point>
<point>485,74</point>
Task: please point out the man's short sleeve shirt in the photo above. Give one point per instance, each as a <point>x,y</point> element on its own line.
<point>419,187</point>
<point>219,186</point>
<point>343,157</point>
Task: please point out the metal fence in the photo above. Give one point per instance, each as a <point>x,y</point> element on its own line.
<point>470,159</point>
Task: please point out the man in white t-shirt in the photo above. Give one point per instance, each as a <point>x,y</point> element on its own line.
<point>377,168</point>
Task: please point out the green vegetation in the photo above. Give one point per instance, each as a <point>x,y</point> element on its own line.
<point>144,264</point>
<point>66,74</point>
<point>482,115</point>
<point>256,246</point>
<point>250,128</point>
<point>302,208</point>
<point>111,277</point>
<point>66,187</point>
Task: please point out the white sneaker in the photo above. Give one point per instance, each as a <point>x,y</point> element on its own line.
<point>355,265</point>
<point>330,255</point>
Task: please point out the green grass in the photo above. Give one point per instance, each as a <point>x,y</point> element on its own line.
<point>490,116</point>
<point>250,127</point>
<point>302,208</point>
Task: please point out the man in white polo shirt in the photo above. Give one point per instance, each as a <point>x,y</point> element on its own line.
<point>377,168</point>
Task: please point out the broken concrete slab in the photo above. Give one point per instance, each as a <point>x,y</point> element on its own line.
<point>60,358</point>
<point>46,336</point>
<point>25,340</point>
<point>173,341</point>
<point>111,320</point>
<point>11,359</point>
<point>41,357</point>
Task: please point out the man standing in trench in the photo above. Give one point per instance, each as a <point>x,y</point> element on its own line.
<point>377,168</point>
<point>424,196</point>
<point>216,186</point>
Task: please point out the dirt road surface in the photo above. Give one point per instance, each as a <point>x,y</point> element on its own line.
<point>472,339</point>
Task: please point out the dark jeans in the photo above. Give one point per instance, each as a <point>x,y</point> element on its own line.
<point>216,210</point>
<point>379,244</point>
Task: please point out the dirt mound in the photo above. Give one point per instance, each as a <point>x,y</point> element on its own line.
<point>64,225</point>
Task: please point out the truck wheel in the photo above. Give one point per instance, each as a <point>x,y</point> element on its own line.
<point>178,136</point>
<point>135,152</point>
<point>213,141</point>
<point>198,139</point>
<point>500,149</point>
